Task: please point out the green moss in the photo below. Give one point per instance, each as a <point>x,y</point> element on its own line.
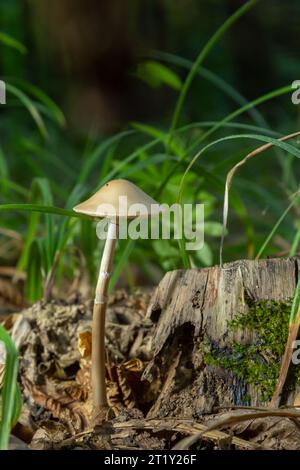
<point>257,363</point>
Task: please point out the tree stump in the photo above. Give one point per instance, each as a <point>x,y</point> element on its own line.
<point>193,310</point>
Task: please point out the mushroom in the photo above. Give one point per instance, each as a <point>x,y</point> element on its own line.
<point>116,200</point>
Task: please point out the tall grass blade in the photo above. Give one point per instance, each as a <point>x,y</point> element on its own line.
<point>9,41</point>
<point>31,108</point>
<point>17,188</point>
<point>43,98</point>
<point>43,209</point>
<point>252,104</point>
<point>10,393</point>
<point>40,192</point>
<point>123,260</point>
<point>97,153</point>
<point>34,279</point>
<point>215,79</point>
<point>276,226</point>
<point>254,153</point>
<point>295,244</point>
<point>269,140</point>
<point>4,173</point>
<point>219,124</point>
<point>201,57</point>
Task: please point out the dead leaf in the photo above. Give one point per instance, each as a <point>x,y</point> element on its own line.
<point>114,397</point>
<point>67,410</point>
<point>85,343</point>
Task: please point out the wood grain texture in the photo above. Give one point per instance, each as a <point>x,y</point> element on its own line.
<point>192,306</point>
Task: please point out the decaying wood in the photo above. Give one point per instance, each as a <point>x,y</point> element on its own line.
<point>190,307</point>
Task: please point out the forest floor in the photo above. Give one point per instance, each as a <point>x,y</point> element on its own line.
<point>54,340</point>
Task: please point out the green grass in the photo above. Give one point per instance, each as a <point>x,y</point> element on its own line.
<point>44,174</point>
<point>11,403</point>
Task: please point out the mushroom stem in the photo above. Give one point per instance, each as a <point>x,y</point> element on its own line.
<point>98,327</point>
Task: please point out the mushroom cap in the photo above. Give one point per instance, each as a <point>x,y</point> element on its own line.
<point>119,198</point>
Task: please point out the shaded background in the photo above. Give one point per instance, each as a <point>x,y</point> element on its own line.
<point>85,53</point>
<point>88,57</point>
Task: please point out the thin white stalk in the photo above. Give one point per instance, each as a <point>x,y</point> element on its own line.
<point>98,328</point>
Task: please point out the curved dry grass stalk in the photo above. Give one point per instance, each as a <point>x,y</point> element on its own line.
<point>230,176</point>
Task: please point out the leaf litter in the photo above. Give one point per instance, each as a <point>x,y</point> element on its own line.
<point>54,340</point>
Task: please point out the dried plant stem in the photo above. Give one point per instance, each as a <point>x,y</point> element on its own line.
<point>230,176</point>
<point>286,361</point>
<point>98,327</point>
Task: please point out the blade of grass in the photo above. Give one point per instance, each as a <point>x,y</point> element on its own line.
<point>270,141</point>
<point>63,234</point>
<point>40,192</point>
<point>88,245</point>
<point>156,74</point>
<point>269,96</point>
<point>119,267</point>
<point>295,244</point>
<point>31,108</point>
<point>34,280</point>
<point>201,57</point>
<point>154,160</point>
<point>75,196</point>
<point>129,159</point>
<point>230,125</point>
<point>9,41</point>
<point>10,397</point>
<point>15,187</point>
<point>262,99</point>
<point>214,79</point>
<point>159,134</point>
<point>42,209</point>
<point>213,180</point>
<point>49,157</point>
<point>93,157</point>
<point>43,98</point>
<point>107,161</point>
<point>4,173</point>
<point>276,226</point>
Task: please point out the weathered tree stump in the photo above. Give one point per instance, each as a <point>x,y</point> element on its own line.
<point>193,308</point>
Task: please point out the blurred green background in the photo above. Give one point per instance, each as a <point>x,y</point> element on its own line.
<point>91,91</point>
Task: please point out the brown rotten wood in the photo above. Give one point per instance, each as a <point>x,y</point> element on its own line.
<point>191,307</point>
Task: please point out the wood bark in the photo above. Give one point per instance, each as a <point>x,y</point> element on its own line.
<point>190,307</point>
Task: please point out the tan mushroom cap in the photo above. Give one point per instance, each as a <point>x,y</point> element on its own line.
<point>119,198</point>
